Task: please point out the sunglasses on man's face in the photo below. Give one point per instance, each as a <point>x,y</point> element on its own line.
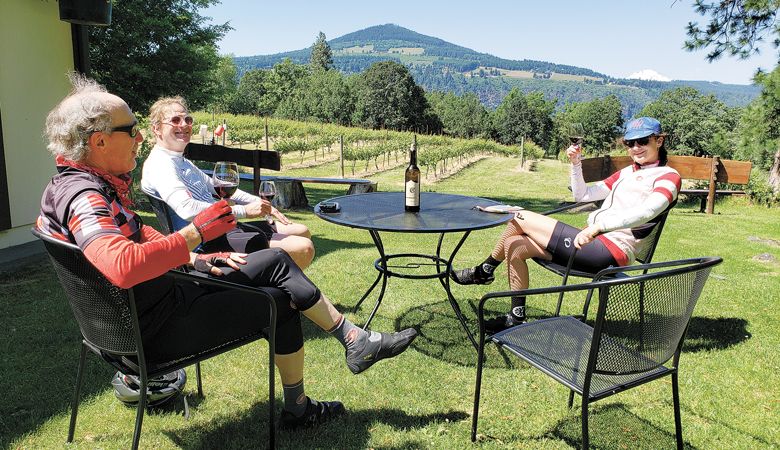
<point>641,141</point>
<point>178,121</point>
<point>131,129</point>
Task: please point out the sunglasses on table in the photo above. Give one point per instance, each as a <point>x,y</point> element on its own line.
<point>641,141</point>
<point>179,120</point>
<point>131,129</point>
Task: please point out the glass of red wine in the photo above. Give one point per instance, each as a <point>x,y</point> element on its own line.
<point>576,134</point>
<point>268,192</point>
<point>225,178</point>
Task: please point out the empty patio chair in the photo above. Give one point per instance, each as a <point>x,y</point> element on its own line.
<point>636,337</point>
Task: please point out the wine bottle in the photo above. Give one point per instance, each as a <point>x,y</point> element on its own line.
<point>412,181</point>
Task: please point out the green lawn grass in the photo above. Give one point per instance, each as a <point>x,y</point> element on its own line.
<point>730,367</point>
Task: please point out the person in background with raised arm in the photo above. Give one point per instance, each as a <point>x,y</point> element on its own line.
<point>632,196</point>
<point>95,138</point>
<point>178,182</point>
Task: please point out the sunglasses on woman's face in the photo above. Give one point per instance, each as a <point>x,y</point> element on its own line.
<point>178,121</point>
<point>641,141</point>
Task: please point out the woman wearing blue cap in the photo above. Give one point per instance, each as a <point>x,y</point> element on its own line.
<point>632,196</point>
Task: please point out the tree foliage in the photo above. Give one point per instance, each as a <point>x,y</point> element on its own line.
<point>736,27</point>
<point>224,84</point>
<point>463,116</point>
<point>321,55</point>
<point>524,116</point>
<point>759,129</point>
<point>250,93</point>
<point>697,124</point>
<point>322,97</point>
<point>280,82</point>
<point>601,122</point>
<point>158,48</point>
<point>387,97</point>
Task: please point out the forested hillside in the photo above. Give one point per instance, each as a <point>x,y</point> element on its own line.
<point>437,65</point>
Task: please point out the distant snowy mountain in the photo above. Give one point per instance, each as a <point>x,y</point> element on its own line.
<point>648,74</point>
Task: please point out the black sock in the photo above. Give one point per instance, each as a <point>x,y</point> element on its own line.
<point>294,398</point>
<point>518,308</point>
<point>487,267</point>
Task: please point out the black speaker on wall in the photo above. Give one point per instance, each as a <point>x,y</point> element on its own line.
<point>86,12</point>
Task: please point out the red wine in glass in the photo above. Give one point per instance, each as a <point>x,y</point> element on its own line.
<point>225,178</point>
<point>225,190</point>
<point>268,192</point>
<point>576,133</point>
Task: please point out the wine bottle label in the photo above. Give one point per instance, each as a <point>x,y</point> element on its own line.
<point>412,193</point>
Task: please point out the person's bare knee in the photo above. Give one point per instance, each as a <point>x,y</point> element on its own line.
<point>294,229</point>
<point>523,248</point>
<point>300,249</point>
<point>536,226</point>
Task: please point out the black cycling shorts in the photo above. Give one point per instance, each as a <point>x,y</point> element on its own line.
<point>243,239</point>
<point>590,258</point>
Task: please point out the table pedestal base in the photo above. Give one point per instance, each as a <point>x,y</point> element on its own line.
<point>443,269</point>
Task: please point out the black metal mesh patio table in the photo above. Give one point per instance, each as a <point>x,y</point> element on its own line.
<point>439,213</point>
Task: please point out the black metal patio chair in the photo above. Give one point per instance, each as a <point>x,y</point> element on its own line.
<point>170,221</point>
<point>639,327</point>
<point>108,322</point>
<point>650,232</point>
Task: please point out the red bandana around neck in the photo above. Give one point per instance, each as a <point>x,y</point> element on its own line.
<point>121,183</point>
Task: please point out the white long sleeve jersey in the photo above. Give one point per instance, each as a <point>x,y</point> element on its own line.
<point>632,196</point>
<point>183,186</point>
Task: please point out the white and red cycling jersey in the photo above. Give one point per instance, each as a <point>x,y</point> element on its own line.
<point>632,196</point>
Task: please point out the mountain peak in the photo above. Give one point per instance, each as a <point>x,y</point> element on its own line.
<point>389,33</point>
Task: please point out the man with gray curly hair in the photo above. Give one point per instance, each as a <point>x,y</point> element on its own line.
<point>85,110</point>
<point>94,137</point>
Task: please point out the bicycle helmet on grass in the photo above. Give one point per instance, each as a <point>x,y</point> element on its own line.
<point>160,390</point>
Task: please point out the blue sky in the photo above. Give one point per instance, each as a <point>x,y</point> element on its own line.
<point>615,37</point>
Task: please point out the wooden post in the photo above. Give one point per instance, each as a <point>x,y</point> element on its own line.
<point>713,177</point>
<point>606,168</point>
<point>522,151</point>
<point>256,171</point>
<point>341,154</point>
<point>266,133</point>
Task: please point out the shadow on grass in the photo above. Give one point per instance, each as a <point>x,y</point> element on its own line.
<point>442,337</point>
<point>323,245</point>
<point>353,431</point>
<point>611,426</point>
<point>705,333</point>
<point>39,344</point>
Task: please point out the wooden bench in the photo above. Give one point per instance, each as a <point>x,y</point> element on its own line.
<point>714,170</point>
<point>290,192</point>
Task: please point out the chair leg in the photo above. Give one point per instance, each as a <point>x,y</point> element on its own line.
<point>571,398</point>
<point>74,408</point>
<point>677,418</point>
<point>564,281</point>
<point>197,375</point>
<point>585,436</point>
<point>271,393</point>
<point>139,415</point>
<point>478,384</point>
